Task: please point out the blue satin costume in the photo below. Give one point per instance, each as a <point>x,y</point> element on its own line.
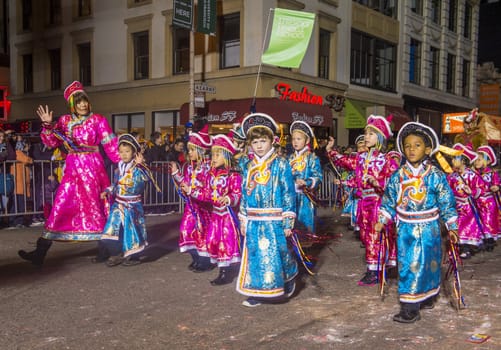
<point>126,221</point>
<point>418,198</point>
<point>306,166</point>
<point>267,207</point>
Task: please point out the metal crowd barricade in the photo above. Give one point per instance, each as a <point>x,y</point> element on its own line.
<point>23,192</point>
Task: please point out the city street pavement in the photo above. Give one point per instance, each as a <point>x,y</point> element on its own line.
<point>70,303</point>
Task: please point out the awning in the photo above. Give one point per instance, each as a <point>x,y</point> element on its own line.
<point>400,117</point>
<point>354,115</point>
<point>231,111</point>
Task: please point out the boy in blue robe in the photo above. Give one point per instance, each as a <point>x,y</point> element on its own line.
<point>417,197</point>
<point>267,213</point>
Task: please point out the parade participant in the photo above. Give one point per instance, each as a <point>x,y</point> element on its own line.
<point>267,213</point>
<point>372,170</point>
<point>307,174</point>
<point>196,215</point>
<point>223,191</point>
<point>78,212</point>
<point>466,186</point>
<point>486,202</point>
<point>351,193</point>
<point>418,196</point>
<point>124,235</point>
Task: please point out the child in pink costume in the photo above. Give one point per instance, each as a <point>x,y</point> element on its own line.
<point>372,169</point>
<point>486,202</point>
<point>466,186</point>
<point>196,215</point>
<point>223,192</point>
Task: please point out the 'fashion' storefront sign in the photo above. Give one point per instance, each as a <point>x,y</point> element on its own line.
<point>304,96</point>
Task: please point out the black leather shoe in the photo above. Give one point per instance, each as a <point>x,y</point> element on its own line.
<point>224,277</point>
<point>407,316</point>
<point>428,304</point>
<point>33,257</point>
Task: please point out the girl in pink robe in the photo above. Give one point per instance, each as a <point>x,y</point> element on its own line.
<point>223,192</point>
<point>78,213</point>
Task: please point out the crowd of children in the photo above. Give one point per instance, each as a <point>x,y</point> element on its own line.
<point>245,203</point>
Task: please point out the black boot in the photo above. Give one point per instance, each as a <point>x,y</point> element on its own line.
<point>37,256</point>
<point>409,313</point>
<point>224,277</point>
<point>203,264</point>
<point>194,260</point>
<point>102,253</point>
<point>489,244</point>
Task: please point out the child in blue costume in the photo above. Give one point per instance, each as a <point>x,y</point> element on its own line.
<point>267,213</point>
<point>124,235</point>
<point>306,172</point>
<point>418,197</point>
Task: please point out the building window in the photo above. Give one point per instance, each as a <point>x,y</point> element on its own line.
<point>27,12</point>
<point>387,8</point>
<point>451,73</point>
<point>141,55</point>
<point>84,8</point>
<point>467,20</point>
<point>167,123</point>
<point>415,62</point>
<point>230,41</point>
<point>84,60</point>
<point>28,73</point>
<point>453,9</point>
<point>323,54</point>
<point>417,7</point>
<point>129,123</point>
<point>373,62</point>
<point>434,67</point>
<point>55,69</point>
<point>465,81</point>
<point>55,12</point>
<point>436,10</point>
<point>181,50</point>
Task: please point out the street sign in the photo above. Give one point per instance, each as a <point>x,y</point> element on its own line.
<point>203,87</point>
<point>199,101</point>
<point>183,14</point>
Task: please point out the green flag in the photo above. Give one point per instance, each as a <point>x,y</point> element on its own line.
<point>289,38</point>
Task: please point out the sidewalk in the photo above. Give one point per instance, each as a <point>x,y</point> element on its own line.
<point>70,303</point>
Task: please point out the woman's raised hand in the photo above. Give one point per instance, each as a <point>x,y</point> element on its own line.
<point>44,114</point>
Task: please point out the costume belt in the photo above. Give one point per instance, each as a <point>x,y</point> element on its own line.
<point>462,200</point>
<point>261,214</point>
<point>369,193</point>
<point>128,199</point>
<point>89,149</point>
<point>418,216</point>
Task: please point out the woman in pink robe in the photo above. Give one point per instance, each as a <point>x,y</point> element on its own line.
<point>78,213</point>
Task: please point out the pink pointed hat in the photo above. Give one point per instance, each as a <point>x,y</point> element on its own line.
<point>202,138</point>
<point>381,124</point>
<point>489,152</point>
<point>224,142</point>
<point>76,86</point>
<point>467,151</point>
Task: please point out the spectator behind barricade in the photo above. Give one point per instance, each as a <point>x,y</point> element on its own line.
<point>188,129</point>
<point>7,153</point>
<point>22,190</point>
<point>58,157</point>
<point>176,153</point>
<point>49,188</point>
<point>320,152</point>
<point>41,155</point>
<point>154,154</point>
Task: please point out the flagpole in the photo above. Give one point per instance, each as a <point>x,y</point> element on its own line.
<point>253,105</point>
